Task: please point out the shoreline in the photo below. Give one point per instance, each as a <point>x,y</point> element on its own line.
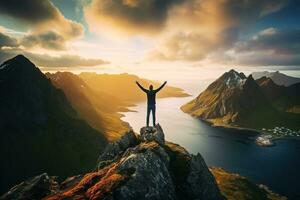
<point>225,126</point>
<point>256,133</point>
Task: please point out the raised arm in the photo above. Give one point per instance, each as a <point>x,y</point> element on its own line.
<point>141,87</point>
<point>158,89</point>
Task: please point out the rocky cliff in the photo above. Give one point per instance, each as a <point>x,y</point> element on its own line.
<point>141,166</point>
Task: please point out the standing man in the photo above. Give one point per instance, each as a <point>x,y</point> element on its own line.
<point>151,94</point>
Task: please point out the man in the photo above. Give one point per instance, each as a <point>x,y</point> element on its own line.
<point>151,94</point>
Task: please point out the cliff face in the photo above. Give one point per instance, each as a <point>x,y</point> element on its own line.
<point>141,166</point>
<point>97,108</point>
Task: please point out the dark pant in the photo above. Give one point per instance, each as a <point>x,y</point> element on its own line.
<point>149,109</point>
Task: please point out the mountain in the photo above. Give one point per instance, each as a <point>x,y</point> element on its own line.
<point>270,89</point>
<point>98,108</point>
<point>229,99</point>
<point>134,167</point>
<point>39,129</point>
<point>282,97</point>
<point>277,77</point>
<point>124,88</point>
<point>237,100</point>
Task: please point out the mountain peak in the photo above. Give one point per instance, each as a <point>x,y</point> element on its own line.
<point>20,59</point>
<point>19,62</point>
<point>232,78</point>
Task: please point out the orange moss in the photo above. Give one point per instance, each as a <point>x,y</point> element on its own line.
<point>92,185</point>
<point>104,186</point>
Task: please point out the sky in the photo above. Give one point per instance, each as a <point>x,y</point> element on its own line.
<point>153,38</point>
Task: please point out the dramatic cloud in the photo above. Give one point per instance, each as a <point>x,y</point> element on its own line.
<point>7,41</point>
<point>144,16</point>
<point>43,19</point>
<point>270,47</point>
<point>45,60</point>
<point>133,16</point>
<point>192,46</point>
<point>210,26</point>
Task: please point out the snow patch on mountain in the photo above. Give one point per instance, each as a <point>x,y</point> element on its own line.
<point>235,79</point>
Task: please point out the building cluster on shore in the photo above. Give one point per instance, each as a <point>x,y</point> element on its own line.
<point>265,139</point>
<point>282,132</point>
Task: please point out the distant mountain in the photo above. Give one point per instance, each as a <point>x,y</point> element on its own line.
<point>237,100</point>
<point>124,88</point>
<point>39,129</point>
<point>98,108</point>
<point>277,77</point>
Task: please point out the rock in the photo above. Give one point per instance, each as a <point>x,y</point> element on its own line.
<point>34,188</point>
<point>199,172</point>
<point>151,178</point>
<point>153,134</point>
<point>143,167</point>
<point>116,148</point>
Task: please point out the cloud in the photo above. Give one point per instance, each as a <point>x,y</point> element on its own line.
<point>47,40</point>
<point>7,41</point>
<point>192,46</point>
<point>208,27</point>
<point>43,20</point>
<point>270,47</point>
<point>283,42</point>
<point>130,16</point>
<point>65,61</point>
<point>45,60</point>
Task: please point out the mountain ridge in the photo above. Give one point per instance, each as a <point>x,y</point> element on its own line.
<point>278,78</point>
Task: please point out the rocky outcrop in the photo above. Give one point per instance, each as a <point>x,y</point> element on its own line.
<point>153,134</point>
<point>139,167</point>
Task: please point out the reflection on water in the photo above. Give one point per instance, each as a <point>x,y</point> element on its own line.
<point>233,150</point>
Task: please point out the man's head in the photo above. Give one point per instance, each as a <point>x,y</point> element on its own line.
<point>151,87</point>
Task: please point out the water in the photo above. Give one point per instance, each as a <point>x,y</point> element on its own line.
<point>234,150</point>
